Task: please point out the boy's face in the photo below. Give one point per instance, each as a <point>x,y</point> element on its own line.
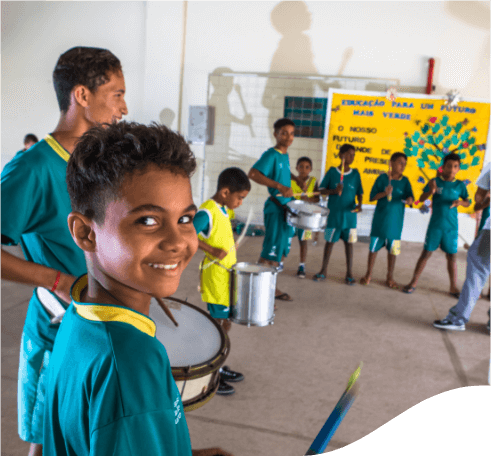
<point>349,156</point>
<point>285,135</point>
<point>450,169</point>
<point>107,104</point>
<point>304,168</point>
<point>235,199</point>
<point>147,238</point>
<point>398,166</point>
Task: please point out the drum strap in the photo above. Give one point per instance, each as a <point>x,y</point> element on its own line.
<point>280,205</point>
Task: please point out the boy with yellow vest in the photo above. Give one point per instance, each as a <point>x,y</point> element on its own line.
<point>216,239</point>
<point>304,168</point>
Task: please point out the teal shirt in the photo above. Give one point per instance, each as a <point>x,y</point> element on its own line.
<point>276,166</point>
<point>443,217</point>
<point>340,206</point>
<point>35,207</point>
<point>388,218</point>
<point>110,388</point>
<point>484,217</point>
<point>201,220</point>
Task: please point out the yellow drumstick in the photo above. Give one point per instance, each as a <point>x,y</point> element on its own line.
<point>389,174</point>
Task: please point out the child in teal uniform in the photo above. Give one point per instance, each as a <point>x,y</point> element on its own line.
<point>392,193</point>
<point>90,88</point>
<point>273,171</point>
<point>216,239</point>
<point>111,390</point>
<point>443,230</point>
<point>342,219</point>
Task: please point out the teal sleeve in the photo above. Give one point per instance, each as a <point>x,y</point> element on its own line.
<point>201,222</point>
<point>463,192</point>
<point>409,190</point>
<point>360,187</point>
<point>325,180</point>
<point>21,193</point>
<point>143,434</point>
<point>378,186</point>
<point>266,164</point>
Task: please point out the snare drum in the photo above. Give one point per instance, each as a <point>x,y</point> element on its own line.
<point>197,348</point>
<point>252,294</point>
<point>306,215</point>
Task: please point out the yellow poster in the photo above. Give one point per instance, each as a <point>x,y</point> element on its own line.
<point>422,126</point>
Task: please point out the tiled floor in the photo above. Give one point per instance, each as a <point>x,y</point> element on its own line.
<point>297,368</point>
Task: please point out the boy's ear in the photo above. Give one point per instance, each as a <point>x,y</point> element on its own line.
<point>81,230</point>
<point>225,192</point>
<point>81,95</point>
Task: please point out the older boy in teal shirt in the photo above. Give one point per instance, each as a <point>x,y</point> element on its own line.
<point>443,230</point>
<point>343,185</point>
<point>392,193</point>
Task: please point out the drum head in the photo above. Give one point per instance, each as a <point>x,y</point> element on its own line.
<point>306,207</point>
<point>246,267</point>
<point>195,341</point>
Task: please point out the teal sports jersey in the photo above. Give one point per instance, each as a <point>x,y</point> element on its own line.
<point>388,218</point>
<point>276,166</point>
<point>35,207</point>
<point>484,218</point>
<point>443,217</point>
<point>110,389</point>
<point>340,206</point>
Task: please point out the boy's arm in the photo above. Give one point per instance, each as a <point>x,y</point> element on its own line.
<point>377,187</point>
<point>30,273</point>
<point>215,252</point>
<point>431,189</point>
<point>358,207</point>
<point>259,178</point>
<point>463,200</point>
<point>315,198</point>
<point>481,198</point>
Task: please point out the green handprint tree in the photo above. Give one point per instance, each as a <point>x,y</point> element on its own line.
<point>433,140</point>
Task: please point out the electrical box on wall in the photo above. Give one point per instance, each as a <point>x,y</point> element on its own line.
<point>201,124</point>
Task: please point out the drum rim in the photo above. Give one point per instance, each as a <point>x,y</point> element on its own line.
<point>292,203</point>
<point>272,269</point>
<point>186,373</point>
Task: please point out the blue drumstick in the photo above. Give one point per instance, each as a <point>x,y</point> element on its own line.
<point>332,423</point>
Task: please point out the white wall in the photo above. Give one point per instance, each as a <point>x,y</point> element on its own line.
<point>377,39</point>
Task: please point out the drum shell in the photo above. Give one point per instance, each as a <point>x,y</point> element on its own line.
<point>252,296</point>
<point>298,218</point>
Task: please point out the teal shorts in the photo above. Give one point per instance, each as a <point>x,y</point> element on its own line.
<point>332,235</point>
<point>445,239</point>
<point>377,243</point>
<point>218,311</point>
<point>278,236</point>
<point>303,235</point>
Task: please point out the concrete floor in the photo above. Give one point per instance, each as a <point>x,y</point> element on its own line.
<point>297,369</point>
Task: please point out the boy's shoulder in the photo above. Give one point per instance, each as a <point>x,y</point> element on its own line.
<point>35,158</point>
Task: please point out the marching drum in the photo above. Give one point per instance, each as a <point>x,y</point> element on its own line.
<point>197,348</point>
<point>306,215</point>
<point>252,294</point>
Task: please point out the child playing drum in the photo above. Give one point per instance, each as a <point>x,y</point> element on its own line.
<point>111,390</point>
<point>343,185</point>
<point>216,239</point>
<point>304,168</point>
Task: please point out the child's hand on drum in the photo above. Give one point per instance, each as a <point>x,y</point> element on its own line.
<point>219,253</point>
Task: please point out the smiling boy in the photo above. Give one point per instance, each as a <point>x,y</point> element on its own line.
<point>111,390</point>
<point>90,89</point>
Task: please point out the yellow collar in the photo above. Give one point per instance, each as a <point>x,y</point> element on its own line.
<point>109,313</point>
<point>57,147</point>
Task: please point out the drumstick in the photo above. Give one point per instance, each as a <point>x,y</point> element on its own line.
<point>389,174</point>
<point>246,226</point>
<point>166,310</point>
<point>332,423</point>
<point>342,170</point>
<point>301,194</point>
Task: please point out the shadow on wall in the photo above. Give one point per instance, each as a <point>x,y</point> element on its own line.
<point>477,15</point>
<point>167,117</point>
<point>294,55</point>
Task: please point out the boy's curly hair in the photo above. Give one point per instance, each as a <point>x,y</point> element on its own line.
<point>108,153</point>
